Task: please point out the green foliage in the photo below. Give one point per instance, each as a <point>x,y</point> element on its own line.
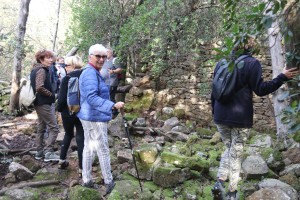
<point>146,34</point>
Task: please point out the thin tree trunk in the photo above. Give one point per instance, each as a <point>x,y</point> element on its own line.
<point>18,55</point>
<point>56,28</point>
<point>278,62</point>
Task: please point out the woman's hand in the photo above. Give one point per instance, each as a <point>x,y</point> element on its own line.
<point>291,73</point>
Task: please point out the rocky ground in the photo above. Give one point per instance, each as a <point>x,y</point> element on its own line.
<point>175,160</point>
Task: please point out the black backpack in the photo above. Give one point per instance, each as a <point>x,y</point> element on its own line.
<point>223,87</point>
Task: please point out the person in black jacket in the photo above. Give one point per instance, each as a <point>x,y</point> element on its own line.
<point>235,118</point>
<point>73,66</point>
<point>45,97</point>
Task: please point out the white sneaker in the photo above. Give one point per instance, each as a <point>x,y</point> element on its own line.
<point>51,156</point>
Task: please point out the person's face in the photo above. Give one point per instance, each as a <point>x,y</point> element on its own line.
<point>98,58</point>
<point>48,60</point>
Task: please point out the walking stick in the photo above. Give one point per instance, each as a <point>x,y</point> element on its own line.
<point>130,145</point>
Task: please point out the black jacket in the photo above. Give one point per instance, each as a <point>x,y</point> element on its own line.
<point>46,95</point>
<point>239,111</point>
<point>62,105</point>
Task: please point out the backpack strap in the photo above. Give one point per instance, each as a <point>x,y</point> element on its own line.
<point>239,59</point>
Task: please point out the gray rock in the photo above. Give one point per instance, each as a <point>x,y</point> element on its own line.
<point>167,110</point>
<point>177,136</point>
<point>19,194</point>
<point>124,156</point>
<point>182,129</point>
<point>116,127</point>
<point>262,141</point>
<point>22,173</point>
<point>170,123</point>
<point>254,166</point>
<point>140,122</point>
<point>269,193</point>
<point>10,178</point>
<point>277,184</point>
<point>294,169</point>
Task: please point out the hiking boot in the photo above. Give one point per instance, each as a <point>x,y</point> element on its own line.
<point>232,195</point>
<point>63,164</point>
<point>218,191</point>
<point>89,184</point>
<point>39,155</point>
<point>109,187</point>
<point>51,156</point>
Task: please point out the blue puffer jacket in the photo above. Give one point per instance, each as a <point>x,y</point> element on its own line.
<point>94,97</point>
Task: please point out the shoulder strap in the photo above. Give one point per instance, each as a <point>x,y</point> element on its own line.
<point>239,59</point>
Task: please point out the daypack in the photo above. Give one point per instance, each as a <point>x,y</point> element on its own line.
<point>27,95</point>
<point>223,87</point>
<point>73,95</point>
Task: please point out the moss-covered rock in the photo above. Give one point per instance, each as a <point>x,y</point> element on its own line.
<point>179,113</point>
<point>78,193</point>
<point>129,189</point>
<point>151,186</point>
<point>191,189</point>
<point>194,163</point>
<point>170,176</point>
<point>204,132</point>
<point>147,153</point>
<point>51,174</point>
<point>168,193</point>
<point>140,104</point>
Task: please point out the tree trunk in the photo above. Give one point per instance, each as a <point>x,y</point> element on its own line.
<point>56,28</point>
<point>278,63</point>
<point>18,55</point>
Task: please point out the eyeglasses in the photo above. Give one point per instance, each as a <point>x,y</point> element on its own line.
<point>100,56</point>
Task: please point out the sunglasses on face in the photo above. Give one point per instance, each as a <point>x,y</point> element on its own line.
<point>100,56</point>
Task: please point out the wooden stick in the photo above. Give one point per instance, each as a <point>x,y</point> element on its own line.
<point>29,184</point>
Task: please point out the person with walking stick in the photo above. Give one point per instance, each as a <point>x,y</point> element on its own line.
<point>95,112</point>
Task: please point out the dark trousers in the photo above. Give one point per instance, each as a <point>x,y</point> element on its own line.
<point>69,123</point>
<point>112,93</point>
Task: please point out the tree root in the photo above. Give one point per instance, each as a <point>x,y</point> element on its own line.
<point>29,184</point>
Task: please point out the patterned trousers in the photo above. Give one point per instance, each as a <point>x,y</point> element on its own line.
<point>230,165</point>
<point>95,140</point>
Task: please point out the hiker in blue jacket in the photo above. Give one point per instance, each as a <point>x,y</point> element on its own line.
<point>73,66</point>
<point>235,118</point>
<point>95,112</point>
